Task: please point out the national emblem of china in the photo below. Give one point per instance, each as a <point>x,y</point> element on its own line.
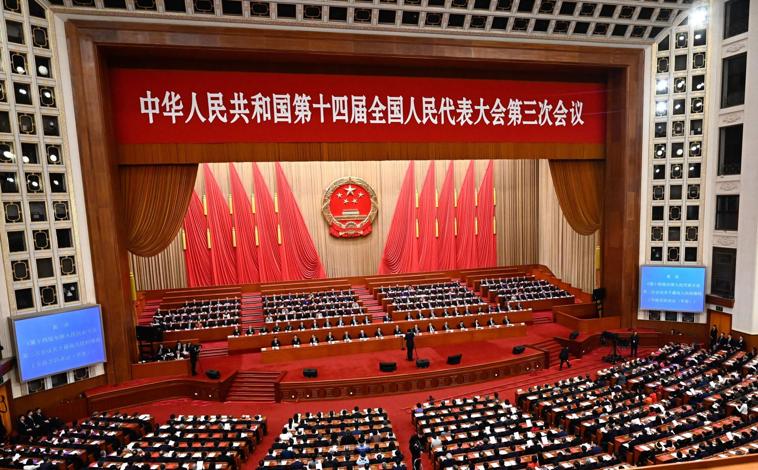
<point>349,206</point>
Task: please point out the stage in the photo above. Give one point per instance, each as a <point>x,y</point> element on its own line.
<point>481,361</point>
<point>367,364</point>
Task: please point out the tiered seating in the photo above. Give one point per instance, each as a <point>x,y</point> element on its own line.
<point>678,404</point>
<point>437,297</point>
<point>681,403</point>
<point>308,307</point>
<point>221,442</point>
<point>521,290</point>
<point>487,430</point>
<point>77,446</point>
<point>431,309</point>
<point>344,439</point>
<point>431,314</point>
<point>198,314</point>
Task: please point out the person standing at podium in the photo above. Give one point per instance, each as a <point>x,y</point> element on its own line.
<point>410,343</point>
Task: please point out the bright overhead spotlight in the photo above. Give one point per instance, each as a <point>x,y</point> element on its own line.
<point>699,16</point>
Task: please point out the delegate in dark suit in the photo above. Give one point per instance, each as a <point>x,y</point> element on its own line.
<point>410,344</point>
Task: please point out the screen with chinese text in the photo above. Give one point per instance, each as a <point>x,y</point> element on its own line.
<point>672,288</point>
<point>56,342</point>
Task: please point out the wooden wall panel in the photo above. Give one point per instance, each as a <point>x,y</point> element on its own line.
<point>66,403</point>
<point>145,154</point>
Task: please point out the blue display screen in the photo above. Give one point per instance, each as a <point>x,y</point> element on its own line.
<point>672,288</point>
<point>58,342</point>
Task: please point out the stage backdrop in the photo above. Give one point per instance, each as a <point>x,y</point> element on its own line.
<point>530,225</point>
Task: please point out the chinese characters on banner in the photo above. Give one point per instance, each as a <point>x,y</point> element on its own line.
<point>153,106</point>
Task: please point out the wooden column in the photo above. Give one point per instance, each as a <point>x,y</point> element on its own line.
<point>100,175</point>
<point>621,212</point>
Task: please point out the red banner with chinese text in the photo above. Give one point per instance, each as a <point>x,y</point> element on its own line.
<point>183,106</point>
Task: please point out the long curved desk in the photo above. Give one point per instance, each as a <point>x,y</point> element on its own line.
<point>340,348</point>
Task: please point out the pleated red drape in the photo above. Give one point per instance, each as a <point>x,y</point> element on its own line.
<point>485,216</point>
<point>400,250</point>
<point>465,213</point>
<point>300,260</point>
<point>197,256</point>
<point>220,222</point>
<point>244,226</point>
<point>269,263</point>
<point>427,216</point>
<point>446,252</point>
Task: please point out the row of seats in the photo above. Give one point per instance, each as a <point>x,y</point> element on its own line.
<point>297,299</point>
<point>305,306</point>
<point>76,446</point>
<point>446,313</point>
<point>120,441</point>
<point>680,403</point>
<point>222,442</point>
<point>523,288</point>
<point>488,432</point>
<point>328,336</point>
<point>199,314</point>
<point>165,352</point>
<point>357,438</point>
<point>429,296</point>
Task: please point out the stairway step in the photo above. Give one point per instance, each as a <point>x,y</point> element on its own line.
<point>250,396</point>
<point>251,390</point>
<point>246,391</point>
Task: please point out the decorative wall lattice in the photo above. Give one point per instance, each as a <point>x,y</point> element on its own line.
<point>622,21</point>
<point>39,240</point>
<point>676,163</point>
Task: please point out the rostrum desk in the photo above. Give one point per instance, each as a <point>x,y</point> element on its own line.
<point>439,338</point>
<point>256,342</point>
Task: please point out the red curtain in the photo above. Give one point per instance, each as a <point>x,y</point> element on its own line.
<point>465,214</point>
<point>427,218</point>
<point>300,260</point>
<point>220,222</point>
<point>155,200</point>
<point>485,216</point>
<point>244,226</point>
<point>446,252</point>
<point>269,265</point>
<point>579,187</point>
<point>400,250</point>
<point>197,256</point>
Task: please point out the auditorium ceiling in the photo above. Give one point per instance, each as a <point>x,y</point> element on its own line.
<point>610,22</point>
